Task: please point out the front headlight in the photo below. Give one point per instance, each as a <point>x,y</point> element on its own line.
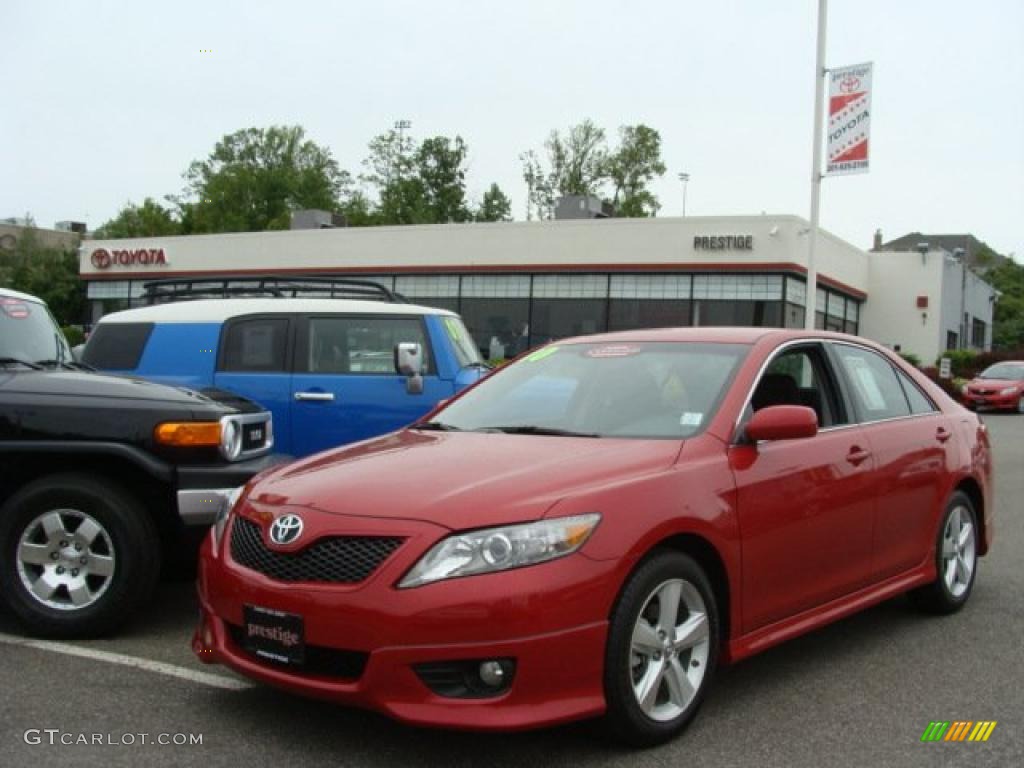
<point>1008,391</point>
<point>225,512</point>
<point>499,549</point>
<point>230,438</point>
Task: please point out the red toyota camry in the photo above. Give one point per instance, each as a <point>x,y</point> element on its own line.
<point>592,529</point>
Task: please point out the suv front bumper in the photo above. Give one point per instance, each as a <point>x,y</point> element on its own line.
<point>203,490</point>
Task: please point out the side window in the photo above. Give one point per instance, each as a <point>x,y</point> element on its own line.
<point>117,346</point>
<point>255,345</point>
<point>361,344</point>
<point>919,403</point>
<point>800,377</point>
<point>876,389</point>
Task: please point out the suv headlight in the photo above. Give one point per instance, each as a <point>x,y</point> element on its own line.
<point>230,438</point>
<point>499,549</point>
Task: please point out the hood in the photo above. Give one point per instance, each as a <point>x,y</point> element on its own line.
<point>83,385</point>
<point>994,383</point>
<point>459,480</point>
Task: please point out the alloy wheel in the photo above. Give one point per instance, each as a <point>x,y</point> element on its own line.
<point>65,559</point>
<point>958,551</point>
<point>669,651</point>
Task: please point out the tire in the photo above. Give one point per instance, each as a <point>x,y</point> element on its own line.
<point>676,676</point>
<point>86,546</point>
<point>1020,405</point>
<point>956,559</point>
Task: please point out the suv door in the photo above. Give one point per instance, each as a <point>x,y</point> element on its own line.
<point>345,388</point>
<point>909,439</point>
<point>805,506</point>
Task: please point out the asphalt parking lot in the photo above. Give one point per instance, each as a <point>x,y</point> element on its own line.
<point>860,692</point>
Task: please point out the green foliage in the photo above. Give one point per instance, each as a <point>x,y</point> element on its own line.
<point>911,358</point>
<point>962,361</point>
<point>1008,324</point>
<point>255,178</point>
<point>580,163</point>
<point>147,220</point>
<point>495,206</point>
<point>74,334</point>
<point>49,273</point>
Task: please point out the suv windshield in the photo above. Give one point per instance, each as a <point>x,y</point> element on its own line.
<point>29,334</point>
<point>1007,371</point>
<point>633,389</point>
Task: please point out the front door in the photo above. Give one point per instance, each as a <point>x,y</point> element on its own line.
<point>806,506</point>
<point>345,388</point>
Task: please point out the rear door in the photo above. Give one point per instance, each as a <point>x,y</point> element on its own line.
<point>909,439</point>
<point>806,506</point>
<point>345,388</point>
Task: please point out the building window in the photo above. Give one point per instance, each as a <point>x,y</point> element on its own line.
<point>430,290</point>
<point>496,309</point>
<point>570,286</point>
<point>978,334</point>
<point>648,301</point>
<point>852,316</point>
<point>737,300</point>
<point>951,340</point>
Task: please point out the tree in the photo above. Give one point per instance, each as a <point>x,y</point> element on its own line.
<point>633,166</point>
<point>440,164</point>
<point>495,206</point>
<point>391,168</point>
<point>1008,323</point>
<point>147,220</point>
<point>255,178</point>
<point>576,164</point>
<point>49,273</point>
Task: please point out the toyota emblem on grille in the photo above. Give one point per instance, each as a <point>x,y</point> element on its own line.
<point>286,529</point>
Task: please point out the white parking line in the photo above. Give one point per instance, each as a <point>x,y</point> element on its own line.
<point>148,665</point>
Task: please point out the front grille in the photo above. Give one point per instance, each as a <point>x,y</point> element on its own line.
<point>333,559</point>
<point>319,660</point>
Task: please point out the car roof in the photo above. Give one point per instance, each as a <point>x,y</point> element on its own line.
<point>219,310</point>
<point>11,294</point>
<point>715,335</point>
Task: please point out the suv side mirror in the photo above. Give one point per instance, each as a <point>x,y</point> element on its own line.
<point>782,422</point>
<point>409,363</point>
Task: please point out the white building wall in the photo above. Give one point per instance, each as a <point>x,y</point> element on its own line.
<point>891,315</point>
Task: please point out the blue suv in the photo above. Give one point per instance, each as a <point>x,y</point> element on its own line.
<point>331,370</point>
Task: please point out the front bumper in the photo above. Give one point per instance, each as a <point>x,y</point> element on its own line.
<point>551,619</point>
<point>203,490</point>
<point>991,401</point>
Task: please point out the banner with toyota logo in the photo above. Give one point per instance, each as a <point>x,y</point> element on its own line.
<point>849,119</point>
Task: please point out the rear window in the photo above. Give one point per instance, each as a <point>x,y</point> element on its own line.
<point>117,346</point>
<point>256,345</point>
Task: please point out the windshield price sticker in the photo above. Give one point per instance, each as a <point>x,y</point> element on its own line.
<point>15,309</point>
<point>616,350</point>
<point>691,419</point>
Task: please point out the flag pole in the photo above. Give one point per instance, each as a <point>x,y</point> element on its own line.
<point>812,235</point>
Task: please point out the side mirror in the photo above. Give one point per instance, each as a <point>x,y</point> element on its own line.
<point>409,363</point>
<point>782,422</point>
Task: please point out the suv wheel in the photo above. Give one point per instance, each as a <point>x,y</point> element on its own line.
<point>956,559</point>
<point>662,650</point>
<point>78,555</point>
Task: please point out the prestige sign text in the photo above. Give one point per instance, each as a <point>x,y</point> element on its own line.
<point>723,242</point>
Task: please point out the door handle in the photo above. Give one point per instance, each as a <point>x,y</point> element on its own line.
<point>857,455</point>
<point>316,397</point>
<point>942,434</point>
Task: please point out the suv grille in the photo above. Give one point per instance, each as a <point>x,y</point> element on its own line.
<point>334,559</point>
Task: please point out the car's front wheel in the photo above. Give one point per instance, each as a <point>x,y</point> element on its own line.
<point>78,555</point>
<point>662,649</point>
<point>956,559</point>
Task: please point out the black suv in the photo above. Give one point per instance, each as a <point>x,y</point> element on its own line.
<point>104,477</point>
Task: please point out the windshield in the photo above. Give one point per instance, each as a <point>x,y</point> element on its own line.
<point>28,333</point>
<point>1008,371</point>
<point>635,389</point>
<point>462,342</point>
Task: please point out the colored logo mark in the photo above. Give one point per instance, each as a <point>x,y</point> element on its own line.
<point>958,730</point>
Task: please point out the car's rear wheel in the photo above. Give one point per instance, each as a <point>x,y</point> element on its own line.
<point>662,649</point>
<point>956,559</point>
<point>1020,404</point>
<point>78,555</point>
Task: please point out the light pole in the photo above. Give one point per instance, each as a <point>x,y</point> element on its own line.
<point>960,255</point>
<point>684,177</point>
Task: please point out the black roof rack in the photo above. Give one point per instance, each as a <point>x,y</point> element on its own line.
<point>273,286</point>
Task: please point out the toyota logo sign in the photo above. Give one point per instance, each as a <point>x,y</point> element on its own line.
<point>101,258</point>
<point>286,529</point>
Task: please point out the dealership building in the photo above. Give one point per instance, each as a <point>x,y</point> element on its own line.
<point>519,284</point>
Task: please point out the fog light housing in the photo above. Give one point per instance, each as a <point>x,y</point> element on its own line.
<point>467,678</point>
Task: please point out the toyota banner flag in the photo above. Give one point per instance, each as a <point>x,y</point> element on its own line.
<point>849,119</point>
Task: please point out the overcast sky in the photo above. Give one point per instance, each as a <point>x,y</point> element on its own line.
<point>105,102</point>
